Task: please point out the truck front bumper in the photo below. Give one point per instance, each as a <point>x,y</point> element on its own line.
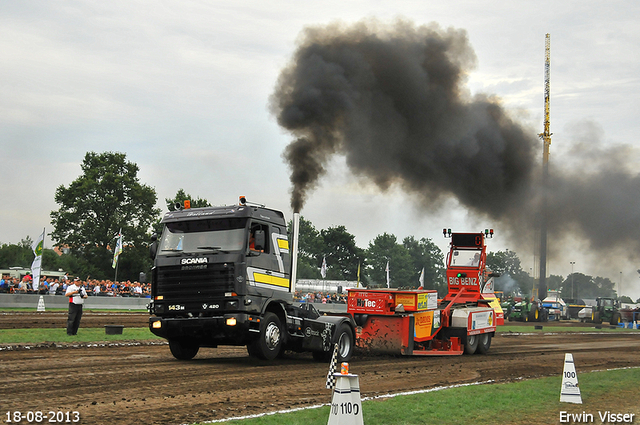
<point>227,329</point>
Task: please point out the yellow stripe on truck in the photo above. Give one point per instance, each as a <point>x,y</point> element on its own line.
<point>282,282</point>
<point>283,244</point>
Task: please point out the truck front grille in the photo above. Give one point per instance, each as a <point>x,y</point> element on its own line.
<point>188,283</point>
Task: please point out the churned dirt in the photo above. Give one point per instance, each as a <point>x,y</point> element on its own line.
<point>139,382</point>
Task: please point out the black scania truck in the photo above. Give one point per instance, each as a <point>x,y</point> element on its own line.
<point>221,276</point>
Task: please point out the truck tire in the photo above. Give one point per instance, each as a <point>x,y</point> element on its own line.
<point>595,317</point>
<point>345,340</point>
<point>182,349</point>
<point>269,342</point>
<point>471,344</point>
<point>484,342</point>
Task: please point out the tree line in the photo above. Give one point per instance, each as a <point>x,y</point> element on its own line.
<point>108,198</point>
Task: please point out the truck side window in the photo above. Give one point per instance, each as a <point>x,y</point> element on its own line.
<point>252,240</point>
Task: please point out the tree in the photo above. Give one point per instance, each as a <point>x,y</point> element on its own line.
<point>512,278</point>
<point>106,198</point>
<point>310,246</point>
<point>386,249</point>
<point>587,286</point>
<point>181,196</point>
<point>626,299</point>
<point>341,253</point>
<point>554,282</point>
<point>425,254</point>
<point>19,255</point>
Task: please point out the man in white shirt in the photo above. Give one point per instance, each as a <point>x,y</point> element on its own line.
<point>77,295</point>
<point>53,287</point>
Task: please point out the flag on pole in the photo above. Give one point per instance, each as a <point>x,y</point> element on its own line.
<point>36,266</point>
<point>422,278</point>
<point>358,281</point>
<point>323,269</point>
<point>118,250</point>
<point>387,270</point>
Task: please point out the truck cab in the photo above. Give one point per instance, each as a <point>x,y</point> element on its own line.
<point>221,276</point>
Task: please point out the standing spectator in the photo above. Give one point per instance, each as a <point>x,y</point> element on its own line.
<point>44,286</point>
<point>24,285</point>
<point>77,295</point>
<point>137,290</point>
<point>4,285</point>
<point>53,287</point>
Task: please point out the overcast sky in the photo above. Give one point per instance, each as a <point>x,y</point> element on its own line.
<point>182,87</point>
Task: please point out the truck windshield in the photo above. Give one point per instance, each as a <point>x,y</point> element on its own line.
<point>203,235</point>
<point>465,258</point>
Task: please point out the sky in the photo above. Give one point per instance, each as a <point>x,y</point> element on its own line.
<point>183,88</point>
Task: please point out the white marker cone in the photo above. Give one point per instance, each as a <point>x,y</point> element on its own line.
<point>41,303</point>
<point>346,406</point>
<point>570,393</point>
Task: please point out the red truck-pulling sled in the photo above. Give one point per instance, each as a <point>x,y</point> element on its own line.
<point>415,322</point>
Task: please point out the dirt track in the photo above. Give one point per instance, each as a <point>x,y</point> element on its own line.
<point>144,384</point>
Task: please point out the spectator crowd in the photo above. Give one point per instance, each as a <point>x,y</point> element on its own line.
<point>320,297</point>
<point>108,288</point>
<point>58,286</point>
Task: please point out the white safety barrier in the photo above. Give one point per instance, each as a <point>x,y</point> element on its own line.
<point>41,303</point>
<point>570,392</point>
<point>346,405</point>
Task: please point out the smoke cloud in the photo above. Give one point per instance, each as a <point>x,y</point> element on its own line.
<point>392,99</point>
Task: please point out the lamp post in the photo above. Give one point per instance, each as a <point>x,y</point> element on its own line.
<point>572,263</point>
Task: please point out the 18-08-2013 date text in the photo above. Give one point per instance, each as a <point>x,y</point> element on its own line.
<point>39,416</point>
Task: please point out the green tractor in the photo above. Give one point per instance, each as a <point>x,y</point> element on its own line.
<point>507,306</point>
<point>606,310</point>
<point>529,311</point>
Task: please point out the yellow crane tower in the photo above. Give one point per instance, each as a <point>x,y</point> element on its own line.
<point>546,139</point>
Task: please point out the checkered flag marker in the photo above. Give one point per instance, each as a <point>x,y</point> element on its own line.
<point>333,366</point>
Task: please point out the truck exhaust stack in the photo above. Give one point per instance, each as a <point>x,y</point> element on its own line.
<point>294,254</point>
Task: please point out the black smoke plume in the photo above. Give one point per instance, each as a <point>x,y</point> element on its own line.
<point>392,100</point>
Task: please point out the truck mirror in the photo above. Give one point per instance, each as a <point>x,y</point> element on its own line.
<point>260,240</point>
<point>153,248</point>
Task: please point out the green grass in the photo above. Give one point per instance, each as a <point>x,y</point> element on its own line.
<point>36,336</point>
<point>533,402</point>
<point>555,329</point>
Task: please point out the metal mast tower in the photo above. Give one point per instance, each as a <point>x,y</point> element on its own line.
<point>546,139</point>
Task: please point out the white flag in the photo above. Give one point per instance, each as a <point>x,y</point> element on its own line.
<point>323,269</point>
<point>118,250</point>
<point>387,270</point>
<point>422,278</point>
<point>37,248</point>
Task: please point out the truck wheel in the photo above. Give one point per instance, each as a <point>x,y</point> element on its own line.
<point>183,350</point>
<point>484,342</point>
<point>345,340</point>
<point>269,343</point>
<point>472,344</point>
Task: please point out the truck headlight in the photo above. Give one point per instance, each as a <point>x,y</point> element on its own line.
<point>157,324</point>
<point>231,321</point>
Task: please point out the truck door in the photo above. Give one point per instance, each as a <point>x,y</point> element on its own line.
<point>265,263</point>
